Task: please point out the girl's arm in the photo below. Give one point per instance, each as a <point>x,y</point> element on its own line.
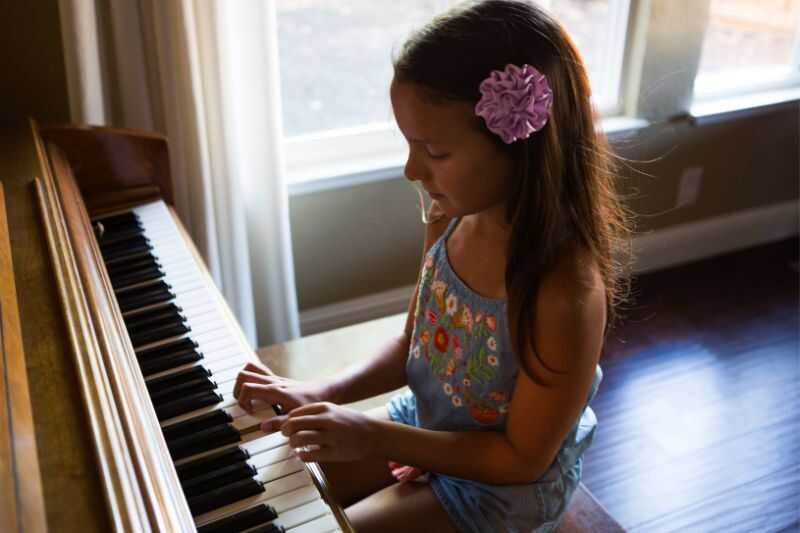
<point>383,372</point>
<point>568,333</point>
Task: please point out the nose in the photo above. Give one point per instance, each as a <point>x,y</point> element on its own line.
<point>414,170</point>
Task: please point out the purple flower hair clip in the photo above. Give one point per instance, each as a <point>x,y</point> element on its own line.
<point>515,102</point>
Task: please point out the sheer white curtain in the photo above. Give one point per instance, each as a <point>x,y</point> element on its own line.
<point>205,74</point>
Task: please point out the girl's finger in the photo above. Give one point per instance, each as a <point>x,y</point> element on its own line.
<point>257,391</point>
<point>317,455</point>
<point>273,424</point>
<point>253,367</point>
<point>309,409</point>
<point>307,422</point>
<point>308,438</point>
<point>246,376</point>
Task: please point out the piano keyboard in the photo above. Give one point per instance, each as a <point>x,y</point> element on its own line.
<point>234,476</point>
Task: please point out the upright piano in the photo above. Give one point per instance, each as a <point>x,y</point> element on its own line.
<point>118,356</point>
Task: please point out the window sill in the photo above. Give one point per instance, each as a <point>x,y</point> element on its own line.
<point>365,170</point>
<point>719,109</point>
<point>374,169</point>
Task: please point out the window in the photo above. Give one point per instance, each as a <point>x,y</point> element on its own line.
<point>749,45</point>
<point>335,69</point>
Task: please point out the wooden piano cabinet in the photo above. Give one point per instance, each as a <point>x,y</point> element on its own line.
<point>325,353</point>
<point>114,167</point>
<point>103,461</point>
<point>22,504</point>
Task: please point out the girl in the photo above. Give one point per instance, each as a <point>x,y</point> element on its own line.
<point>519,280</point>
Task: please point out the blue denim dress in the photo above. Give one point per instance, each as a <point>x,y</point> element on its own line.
<point>461,371</point>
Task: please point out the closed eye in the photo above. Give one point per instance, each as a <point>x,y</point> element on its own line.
<point>435,155</point>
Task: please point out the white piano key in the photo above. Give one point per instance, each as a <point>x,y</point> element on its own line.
<point>275,455</point>
<point>213,365</point>
<point>236,412</point>
<point>226,402</point>
<point>271,491</point>
<point>268,441</point>
<point>279,470</point>
<point>246,438</point>
<point>295,499</point>
<point>324,524</point>
<point>246,423</point>
<point>227,375</point>
<point>302,514</point>
<point>226,387</point>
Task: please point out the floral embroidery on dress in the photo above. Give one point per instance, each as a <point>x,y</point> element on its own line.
<point>460,347</point>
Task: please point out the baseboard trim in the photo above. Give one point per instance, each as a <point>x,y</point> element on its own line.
<point>693,241</point>
<point>657,250</point>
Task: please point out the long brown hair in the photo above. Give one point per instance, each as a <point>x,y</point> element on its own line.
<point>563,190</point>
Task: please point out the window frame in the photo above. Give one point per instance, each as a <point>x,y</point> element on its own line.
<point>348,157</point>
<point>379,149</point>
<point>716,86</point>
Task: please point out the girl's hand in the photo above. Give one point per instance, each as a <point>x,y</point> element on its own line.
<point>327,432</point>
<point>257,383</point>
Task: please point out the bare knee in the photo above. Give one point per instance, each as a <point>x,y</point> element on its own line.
<point>351,482</point>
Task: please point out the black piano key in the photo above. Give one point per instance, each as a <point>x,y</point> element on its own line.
<point>159,333</point>
<point>126,280</point>
<point>159,317</point>
<point>267,528</point>
<point>152,315</point>
<point>139,253</point>
<point>133,292</point>
<point>120,234</point>
<point>174,347</point>
<point>119,253</point>
<point>182,391</point>
<point>203,441</point>
<point>154,366</point>
<point>249,518</point>
<point>120,245</point>
<point>186,428</point>
<point>214,479</point>
<point>224,495</point>
<point>145,300</point>
<point>187,404</point>
<point>146,295</point>
<point>212,461</point>
<point>140,263</point>
<point>126,219</point>
<point>156,385</point>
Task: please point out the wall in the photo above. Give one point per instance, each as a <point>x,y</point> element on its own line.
<point>361,240</point>
<point>32,60</point>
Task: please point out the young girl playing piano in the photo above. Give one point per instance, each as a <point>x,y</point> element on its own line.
<point>519,281</point>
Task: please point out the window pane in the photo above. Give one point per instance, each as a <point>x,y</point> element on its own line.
<point>335,59</point>
<point>757,35</point>
<point>335,55</point>
<point>589,24</point>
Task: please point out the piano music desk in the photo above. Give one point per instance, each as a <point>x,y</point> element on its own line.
<point>326,353</point>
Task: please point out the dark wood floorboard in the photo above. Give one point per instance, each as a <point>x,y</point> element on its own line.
<point>699,409</point>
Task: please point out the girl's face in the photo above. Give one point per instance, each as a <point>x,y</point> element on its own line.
<point>460,167</point>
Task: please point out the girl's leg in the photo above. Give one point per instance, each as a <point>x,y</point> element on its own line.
<point>350,482</point>
<point>401,507</point>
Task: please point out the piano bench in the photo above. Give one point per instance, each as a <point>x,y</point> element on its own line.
<point>586,515</point>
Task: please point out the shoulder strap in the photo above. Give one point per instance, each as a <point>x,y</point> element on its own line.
<point>451,227</point>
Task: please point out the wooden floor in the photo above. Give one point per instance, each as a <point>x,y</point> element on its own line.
<point>699,410</point>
